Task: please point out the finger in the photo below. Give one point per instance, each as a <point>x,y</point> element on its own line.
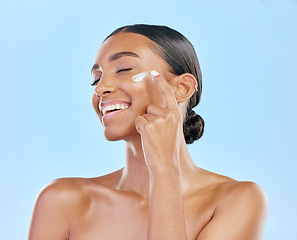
<point>162,113</point>
<point>166,91</point>
<point>140,124</point>
<point>150,118</point>
<point>157,110</point>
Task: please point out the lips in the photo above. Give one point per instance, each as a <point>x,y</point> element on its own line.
<point>112,108</point>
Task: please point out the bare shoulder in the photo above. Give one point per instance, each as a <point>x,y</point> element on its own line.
<point>64,194</point>
<point>227,189</point>
<point>59,187</point>
<point>73,196</point>
<point>240,209</point>
<point>76,193</point>
<point>58,203</point>
<point>230,191</point>
<point>248,193</point>
<point>78,190</point>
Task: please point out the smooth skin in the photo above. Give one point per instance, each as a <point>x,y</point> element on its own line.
<point>160,193</point>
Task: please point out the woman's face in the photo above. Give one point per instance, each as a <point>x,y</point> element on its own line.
<point>119,59</point>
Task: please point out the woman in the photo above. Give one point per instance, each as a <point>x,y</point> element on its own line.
<point>147,79</point>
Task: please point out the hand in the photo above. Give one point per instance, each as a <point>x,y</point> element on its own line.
<point>159,129</point>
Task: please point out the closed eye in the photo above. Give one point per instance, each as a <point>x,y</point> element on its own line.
<point>120,70</point>
<point>124,69</point>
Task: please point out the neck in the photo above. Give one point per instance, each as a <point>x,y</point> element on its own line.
<point>135,175</point>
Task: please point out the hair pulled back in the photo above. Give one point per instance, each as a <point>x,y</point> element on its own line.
<point>181,57</point>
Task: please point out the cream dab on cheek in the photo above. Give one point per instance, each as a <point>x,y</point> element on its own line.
<point>139,77</point>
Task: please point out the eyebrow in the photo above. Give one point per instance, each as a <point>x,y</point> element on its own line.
<point>116,56</point>
<point>122,54</point>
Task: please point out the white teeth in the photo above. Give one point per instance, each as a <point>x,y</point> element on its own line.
<point>113,107</point>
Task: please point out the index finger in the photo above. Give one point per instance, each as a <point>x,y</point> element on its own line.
<point>166,91</point>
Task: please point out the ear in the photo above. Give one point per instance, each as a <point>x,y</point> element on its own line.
<point>185,88</point>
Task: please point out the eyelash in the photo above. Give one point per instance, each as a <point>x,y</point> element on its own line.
<point>95,82</point>
<point>124,69</point>
<point>121,70</point>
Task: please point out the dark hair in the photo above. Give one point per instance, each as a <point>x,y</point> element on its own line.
<point>181,57</point>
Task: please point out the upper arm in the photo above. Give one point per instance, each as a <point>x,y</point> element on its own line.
<point>241,215</point>
<point>52,212</point>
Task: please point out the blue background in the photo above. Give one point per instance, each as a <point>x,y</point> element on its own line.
<point>247,51</point>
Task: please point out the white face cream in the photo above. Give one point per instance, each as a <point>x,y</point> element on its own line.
<point>139,77</point>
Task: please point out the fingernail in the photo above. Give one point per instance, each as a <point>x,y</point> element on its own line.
<point>154,73</point>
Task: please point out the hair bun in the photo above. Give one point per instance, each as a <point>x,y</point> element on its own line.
<point>193,127</point>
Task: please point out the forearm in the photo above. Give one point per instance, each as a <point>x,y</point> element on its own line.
<point>166,208</point>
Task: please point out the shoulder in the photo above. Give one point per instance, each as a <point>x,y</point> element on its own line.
<point>244,192</point>
<point>228,190</point>
<point>64,195</point>
<point>57,204</point>
<point>61,186</point>
<point>244,204</point>
<point>230,196</point>
<point>240,212</point>
<point>77,193</point>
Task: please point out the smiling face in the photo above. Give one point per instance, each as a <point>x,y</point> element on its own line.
<point>123,64</point>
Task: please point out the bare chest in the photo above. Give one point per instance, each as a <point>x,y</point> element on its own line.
<point>127,218</point>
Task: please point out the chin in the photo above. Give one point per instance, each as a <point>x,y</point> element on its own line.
<point>112,137</point>
<point>116,134</point>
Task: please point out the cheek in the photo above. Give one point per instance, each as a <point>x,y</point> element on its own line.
<point>146,90</point>
<point>95,103</point>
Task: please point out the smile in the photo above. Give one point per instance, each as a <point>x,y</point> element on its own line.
<point>112,108</point>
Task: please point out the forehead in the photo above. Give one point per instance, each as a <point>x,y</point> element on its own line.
<point>125,42</point>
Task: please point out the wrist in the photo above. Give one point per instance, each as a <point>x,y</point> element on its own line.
<point>165,171</point>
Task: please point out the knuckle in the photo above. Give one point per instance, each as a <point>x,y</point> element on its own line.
<point>170,116</point>
<point>159,121</point>
<point>173,116</point>
<point>147,127</point>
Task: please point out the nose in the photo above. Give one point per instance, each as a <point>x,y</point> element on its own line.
<point>104,87</point>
